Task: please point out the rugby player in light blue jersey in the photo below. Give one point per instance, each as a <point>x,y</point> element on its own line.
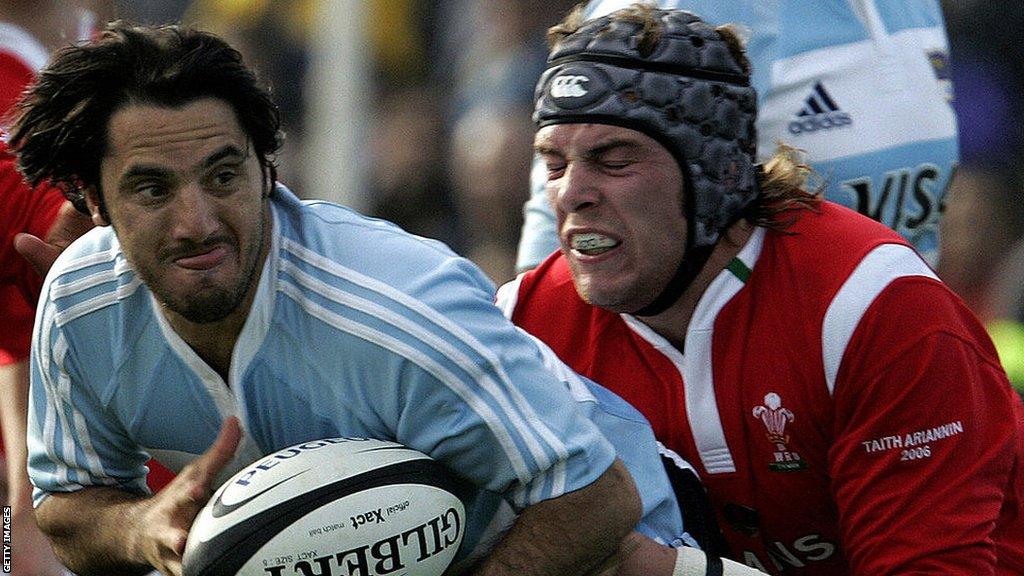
<point>210,296</point>
<point>863,87</point>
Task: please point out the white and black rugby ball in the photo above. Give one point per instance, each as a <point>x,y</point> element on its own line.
<point>331,506</point>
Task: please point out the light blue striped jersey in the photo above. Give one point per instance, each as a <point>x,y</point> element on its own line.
<point>357,329</point>
<point>862,86</point>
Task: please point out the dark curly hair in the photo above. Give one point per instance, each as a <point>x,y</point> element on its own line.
<point>60,133</point>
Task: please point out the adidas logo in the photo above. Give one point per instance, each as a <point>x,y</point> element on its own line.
<point>820,112</point>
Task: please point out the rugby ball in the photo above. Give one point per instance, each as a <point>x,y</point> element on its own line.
<point>330,506</point>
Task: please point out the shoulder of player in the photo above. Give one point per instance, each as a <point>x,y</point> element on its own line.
<point>94,310</point>
<point>348,262</point>
<point>913,309</point>
<point>21,48</point>
<point>832,263</point>
<point>823,247</point>
<point>89,276</point>
<point>890,306</point>
<point>845,256</point>
<point>345,235</point>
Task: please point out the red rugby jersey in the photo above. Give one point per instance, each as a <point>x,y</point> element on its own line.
<point>22,209</point>
<point>21,55</point>
<point>846,411</point>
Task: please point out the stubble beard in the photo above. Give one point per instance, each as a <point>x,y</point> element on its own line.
<point>583,289</point>
<point>208,308</point>
<point>213,304</point>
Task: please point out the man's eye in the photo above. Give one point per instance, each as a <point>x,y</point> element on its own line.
<point>615,164</point>
<point>225,177</point>
<point>553,164</point>
<point>151,191</point>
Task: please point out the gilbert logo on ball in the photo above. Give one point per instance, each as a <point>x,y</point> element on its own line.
<point>331,507</point>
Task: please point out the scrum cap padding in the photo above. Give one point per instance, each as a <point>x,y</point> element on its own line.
<point>689,93</point>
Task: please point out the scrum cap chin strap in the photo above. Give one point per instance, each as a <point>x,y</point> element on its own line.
<point>689,266</point>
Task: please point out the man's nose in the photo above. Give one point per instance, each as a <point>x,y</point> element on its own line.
<point>194,216</point>
<point>578,188</point>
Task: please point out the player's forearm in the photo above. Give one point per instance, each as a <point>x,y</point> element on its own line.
<point>638,555</point>
<point>94,530</point>
<point>13,416</point>
<point>572,534</point>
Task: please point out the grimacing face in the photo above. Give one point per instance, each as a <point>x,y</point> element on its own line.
<point>185,193</point>
<point>617,198</point>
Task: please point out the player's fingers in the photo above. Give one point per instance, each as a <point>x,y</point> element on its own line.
<point>68,226</point>
<point>219,453</point>
<point>38,253</point>
<point>188,501</point>
<point>171,566</point>
<point>169,544</point>
<point>178,544</point>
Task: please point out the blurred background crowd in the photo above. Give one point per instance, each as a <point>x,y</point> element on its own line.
<point>418,111</point>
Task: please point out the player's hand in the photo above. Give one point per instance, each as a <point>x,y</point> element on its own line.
<point>641,556</point>
<point>638,555</point>
<point>66,228</point>
<point>169,516</point>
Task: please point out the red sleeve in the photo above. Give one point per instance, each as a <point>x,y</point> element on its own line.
<point>14,77</point>
<point>926,437</point>
<point>159,476</point>
<point>22,209</point>
<point>17,317</point>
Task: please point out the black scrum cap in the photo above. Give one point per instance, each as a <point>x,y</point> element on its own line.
<point>689,92</point>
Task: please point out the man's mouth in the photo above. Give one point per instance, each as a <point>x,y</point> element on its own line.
<point>204,260</point>
<point>592,243</point>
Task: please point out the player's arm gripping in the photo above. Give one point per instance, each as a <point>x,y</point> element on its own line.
<point>104,531</point>
<point>572,534</point>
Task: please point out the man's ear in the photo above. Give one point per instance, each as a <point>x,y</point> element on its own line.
<point>95,204</point>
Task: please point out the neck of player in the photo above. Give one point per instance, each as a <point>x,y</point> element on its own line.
<point>673,323</point>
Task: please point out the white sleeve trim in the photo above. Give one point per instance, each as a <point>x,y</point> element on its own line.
<point>875,272</point>
<point>508,296</point>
